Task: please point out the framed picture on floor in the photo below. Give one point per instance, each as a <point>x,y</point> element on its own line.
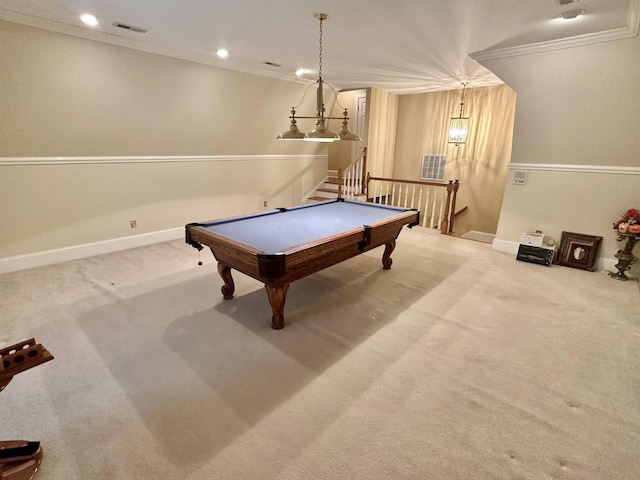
<point>578,250</point>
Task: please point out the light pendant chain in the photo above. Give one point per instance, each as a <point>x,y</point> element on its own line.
<point>464,86</point>
<point>320,54</point>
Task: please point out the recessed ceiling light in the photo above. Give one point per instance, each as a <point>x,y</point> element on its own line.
<point>571,14</point>
<point>222,53</point>
<point>89,19</point>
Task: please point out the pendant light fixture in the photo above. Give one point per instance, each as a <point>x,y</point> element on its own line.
<point>321,133</point>
<point>459,126</point>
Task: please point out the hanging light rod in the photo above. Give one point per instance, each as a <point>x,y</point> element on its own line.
<point>321,133</point>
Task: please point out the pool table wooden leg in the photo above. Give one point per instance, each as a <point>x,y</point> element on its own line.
<point>277,295</point>
<point>229,287</point>
<point>386,256</point>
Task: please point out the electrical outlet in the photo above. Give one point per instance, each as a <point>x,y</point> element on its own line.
<point>265,203</point>
<point>133,224</point>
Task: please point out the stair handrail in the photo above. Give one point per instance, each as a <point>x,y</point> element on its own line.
<point>352,177</point>
<point>447,206</point>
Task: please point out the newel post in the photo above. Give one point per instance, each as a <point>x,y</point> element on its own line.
<point>449,208</point>
<point>456,185</point>
<point>365,183</point>
<point>339,183</point>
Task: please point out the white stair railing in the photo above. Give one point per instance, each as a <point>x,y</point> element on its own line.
<point>351,180</point>
<point>435,201</point>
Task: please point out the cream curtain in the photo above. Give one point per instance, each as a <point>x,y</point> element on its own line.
<point>481,165</point>
<point>383,117</point>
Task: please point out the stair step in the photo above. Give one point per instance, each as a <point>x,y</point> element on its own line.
<point>318,199</point>
<point>327,190</point>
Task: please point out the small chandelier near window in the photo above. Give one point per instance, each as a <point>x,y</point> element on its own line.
<point>459,126</point>
<point>321,133</point>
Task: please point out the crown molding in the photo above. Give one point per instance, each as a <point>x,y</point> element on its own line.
<point>631,30</point>
<point>554,167</point>
<point>203,57</point>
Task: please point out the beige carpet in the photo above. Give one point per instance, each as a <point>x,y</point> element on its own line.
<point>458,363</point>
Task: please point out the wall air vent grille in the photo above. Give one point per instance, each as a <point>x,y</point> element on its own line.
<point>433,167</point>
<point>130,27</point>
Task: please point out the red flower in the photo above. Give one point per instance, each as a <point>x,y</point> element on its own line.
<point>631,213</point>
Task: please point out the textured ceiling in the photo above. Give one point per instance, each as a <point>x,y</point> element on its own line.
<point>404,46</point>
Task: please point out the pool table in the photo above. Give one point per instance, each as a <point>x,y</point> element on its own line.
<point>287,244</point>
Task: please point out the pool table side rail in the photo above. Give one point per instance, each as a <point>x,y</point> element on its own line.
<point>302,260</point>
<point>282,267</point>
<point>300,263</point>
<point>402,219</point>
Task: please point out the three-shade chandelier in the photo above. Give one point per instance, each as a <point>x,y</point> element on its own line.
<point>321,133</point>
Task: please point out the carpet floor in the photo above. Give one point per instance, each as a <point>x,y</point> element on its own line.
<point>458,363</point>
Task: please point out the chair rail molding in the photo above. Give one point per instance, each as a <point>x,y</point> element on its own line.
<point>554,167</point>
<point>21,161</point>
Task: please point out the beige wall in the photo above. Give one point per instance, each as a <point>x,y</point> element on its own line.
<point>481,164</point>
<point>576,107</point>
<point>65,96</point>
<point>82,100</point>
<point>60,205</point>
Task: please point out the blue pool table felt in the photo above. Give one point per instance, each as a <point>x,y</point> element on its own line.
<point>275,232</point>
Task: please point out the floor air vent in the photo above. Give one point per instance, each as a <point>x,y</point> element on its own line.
<point>130,27</point>
<point>479,236</point>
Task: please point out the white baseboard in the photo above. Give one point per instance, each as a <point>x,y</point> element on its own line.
<point>507,246</point>
<point>49,257</point>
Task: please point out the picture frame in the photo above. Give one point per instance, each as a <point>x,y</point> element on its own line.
<point>578,250</point>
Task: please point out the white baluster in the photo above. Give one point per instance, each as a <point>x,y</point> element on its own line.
<point>442,202</point>
<point>433,208</point>
<point>423,210</point>
<point>426,207</point>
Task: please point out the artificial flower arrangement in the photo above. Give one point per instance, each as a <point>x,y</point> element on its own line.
<point>629,223</point>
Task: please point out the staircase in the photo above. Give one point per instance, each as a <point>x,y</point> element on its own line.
<point>328,190</point>
<point>346,183</point>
